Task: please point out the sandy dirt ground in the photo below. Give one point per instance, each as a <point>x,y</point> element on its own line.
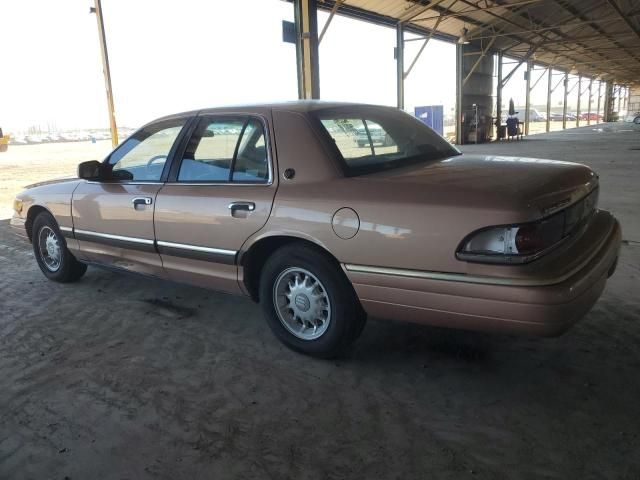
<point>22,165</point>
<point>117,377</point>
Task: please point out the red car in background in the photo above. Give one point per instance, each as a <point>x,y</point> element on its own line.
<point>591,116</point>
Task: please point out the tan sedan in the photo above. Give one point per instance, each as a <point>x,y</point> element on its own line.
<point>326,213</point>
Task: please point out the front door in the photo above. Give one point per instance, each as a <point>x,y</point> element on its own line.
<point>219,193</point>
<point>113,219</point>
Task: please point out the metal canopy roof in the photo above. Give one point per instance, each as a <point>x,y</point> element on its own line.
<point>595,38</point>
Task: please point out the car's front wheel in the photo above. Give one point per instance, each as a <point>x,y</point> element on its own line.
<point>50,248</point>
<point>308,302</point>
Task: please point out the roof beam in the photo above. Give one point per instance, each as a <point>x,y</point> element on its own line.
<point>422,47</point>
<point>566,38</point>
<point>479,9</point>
<point>475,65</point>
<point>572,10</point>
<point>624,17</point>
<point>543,29</point>
<point>413,14</point>
<point>587,38</point>
<point>334,9</point>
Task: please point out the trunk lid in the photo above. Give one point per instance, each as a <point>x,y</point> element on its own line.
<point>531,186</point>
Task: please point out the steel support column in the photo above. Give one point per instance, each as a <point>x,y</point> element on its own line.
<point>459,74</point>
<point>579,97</point>
<point>400,65</point>
<point>599,97</point>
<point>549,81</point>
<point>564,102</point>
<point>107,72</point>
<point>306,20</point>
<point>608,97</point>
<point>590,97</point>
<point>499,96</point>
<point>527,102</point>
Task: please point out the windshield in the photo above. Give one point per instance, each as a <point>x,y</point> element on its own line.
<point>371,139</point>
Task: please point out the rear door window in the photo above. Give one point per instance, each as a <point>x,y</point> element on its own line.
<point>226,149</point>
<point>371,139</point>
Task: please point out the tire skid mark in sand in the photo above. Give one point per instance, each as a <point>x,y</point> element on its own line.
<point>167,307</point>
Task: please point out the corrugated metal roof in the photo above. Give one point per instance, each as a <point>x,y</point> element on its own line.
<point>591,37</point>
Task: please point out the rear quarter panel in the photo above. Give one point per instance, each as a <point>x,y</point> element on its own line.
<point>415,227</point>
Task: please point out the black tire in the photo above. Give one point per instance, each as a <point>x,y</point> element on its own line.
<point>69,269</point>
<point>636,120</point>
<point>347,318</point>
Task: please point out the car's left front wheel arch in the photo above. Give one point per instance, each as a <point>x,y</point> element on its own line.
<point>55,260</point>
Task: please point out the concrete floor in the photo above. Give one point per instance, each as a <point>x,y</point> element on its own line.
<point>118,377</point>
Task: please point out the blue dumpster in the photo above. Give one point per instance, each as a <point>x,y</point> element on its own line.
<point>432,115</point>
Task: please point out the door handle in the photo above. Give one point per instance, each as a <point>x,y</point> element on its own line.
<point>141,201</point>
<point>246,206</point>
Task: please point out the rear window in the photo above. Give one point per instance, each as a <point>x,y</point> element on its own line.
<point>372,139</point>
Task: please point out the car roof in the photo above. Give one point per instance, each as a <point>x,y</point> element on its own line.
<point>291,106</point>
<point>301,106</point>
<point>294,105</point>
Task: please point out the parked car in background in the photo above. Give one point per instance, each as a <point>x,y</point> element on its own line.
<point>17,141</point>
<point>372,135</point>
<point>633,117</point>
<point>33,139</point>
<point>286,208</point>
<point>534,115</point>
<point>591,116</point>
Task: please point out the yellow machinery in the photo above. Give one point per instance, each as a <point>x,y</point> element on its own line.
<point>4,141</point>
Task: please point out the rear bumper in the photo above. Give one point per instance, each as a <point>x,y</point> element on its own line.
<point>458,302</point>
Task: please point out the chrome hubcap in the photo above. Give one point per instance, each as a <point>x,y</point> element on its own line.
<point>302,303</point>
<point>49,247</point>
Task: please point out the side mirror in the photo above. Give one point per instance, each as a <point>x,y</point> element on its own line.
<point>90,170</point>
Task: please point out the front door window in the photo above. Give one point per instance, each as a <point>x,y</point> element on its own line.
<point>142,157</point>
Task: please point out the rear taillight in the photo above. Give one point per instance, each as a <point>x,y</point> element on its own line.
<point>528,239</point>
<point>525,242</point>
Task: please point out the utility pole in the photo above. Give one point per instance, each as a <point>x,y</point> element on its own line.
<point>107,72</point>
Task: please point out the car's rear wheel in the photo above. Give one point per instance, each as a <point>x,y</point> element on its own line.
<point>636,120</point>
<point>50,248</point>
<point>308,302</point>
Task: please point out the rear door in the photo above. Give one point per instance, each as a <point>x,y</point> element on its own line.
<point>113,220</point>
<point>219,192</point>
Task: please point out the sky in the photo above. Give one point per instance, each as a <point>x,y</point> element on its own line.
<point>169,56</point>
